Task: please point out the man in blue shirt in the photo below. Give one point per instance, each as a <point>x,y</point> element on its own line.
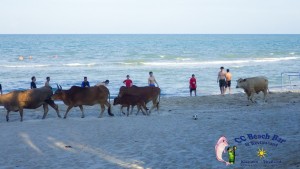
<point>85,83</point>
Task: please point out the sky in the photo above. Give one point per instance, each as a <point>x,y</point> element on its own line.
<point>149,17</point>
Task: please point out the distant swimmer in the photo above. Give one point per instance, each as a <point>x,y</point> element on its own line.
<point>21,57</point>
<point>30,57</point>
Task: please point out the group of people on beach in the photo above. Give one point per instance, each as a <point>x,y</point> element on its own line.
<point>85,83</point>
<point>224,80</point>
<point>151,81</point>
<point>33,82</point>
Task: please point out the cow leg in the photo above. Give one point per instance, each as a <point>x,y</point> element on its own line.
<point>7,117</point>
<point>128,107</point>
<point>251,96</point>
<point>55,107</point>
<point>69,108</point>
<point>144,106</point>
<point>82,113</point>
<point>265,95</point>
<point>102,110</point>
<point>139,108</point>
<point>45,106</point>
<point>155,104</point>
<point>109,109</point>
<point>21,113</point>
<point>132,106</point>
<point>121,110</point>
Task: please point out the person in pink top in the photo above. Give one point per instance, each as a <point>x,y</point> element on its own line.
<point>127,82</point>
<point>193,84</point>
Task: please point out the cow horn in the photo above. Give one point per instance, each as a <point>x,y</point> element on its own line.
<point>60,87</point>
<point>57,86</point>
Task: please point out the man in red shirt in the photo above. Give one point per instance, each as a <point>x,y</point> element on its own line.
<point>127,82</point>
<point>193,85</point>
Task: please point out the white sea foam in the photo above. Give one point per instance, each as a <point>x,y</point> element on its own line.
<point>24,66</point>
<point>79,64</point>
<point>219,62</point>
<point>275,59</point>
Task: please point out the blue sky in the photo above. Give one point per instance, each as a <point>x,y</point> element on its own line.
<point>149,16</point>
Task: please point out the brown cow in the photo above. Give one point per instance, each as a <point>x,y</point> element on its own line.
<point>150,93</point>
<point>78,96</point>
<point>253,85</point>
<point>28,99</point>
<point>131,100</point>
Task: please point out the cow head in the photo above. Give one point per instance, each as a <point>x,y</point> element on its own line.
<point>122,91</point>
<point>58,93</point>
<point>116,101</point>
<point>240,83</point>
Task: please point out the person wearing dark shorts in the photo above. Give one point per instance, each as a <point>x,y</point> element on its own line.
<point>221,80</point>
<point>228,84</point>
<point>228,77</point>
<point>222,83</point>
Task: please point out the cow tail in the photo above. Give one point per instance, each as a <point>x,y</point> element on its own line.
<point>109,107</point>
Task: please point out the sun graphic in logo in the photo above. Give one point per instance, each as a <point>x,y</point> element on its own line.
<point>261,153</point>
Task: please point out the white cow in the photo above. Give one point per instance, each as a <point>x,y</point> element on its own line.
<point>253,85</point>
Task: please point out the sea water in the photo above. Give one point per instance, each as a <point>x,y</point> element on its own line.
<point>66,59</point>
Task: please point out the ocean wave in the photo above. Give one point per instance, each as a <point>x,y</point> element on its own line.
<point>183,59</point>
<point>24,66</point>
<point>219,62</point>
<point>275,59</point>
<point>79,64</point>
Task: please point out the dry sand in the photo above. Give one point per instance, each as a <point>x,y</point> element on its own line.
<point>170,138</point>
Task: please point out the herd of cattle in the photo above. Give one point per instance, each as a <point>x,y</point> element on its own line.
<point>127,97</point>
<point>78,96</point>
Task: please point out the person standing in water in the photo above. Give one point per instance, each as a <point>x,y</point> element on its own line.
<point>47,83</point>
<point>85,82</point>
<point>228,77</point>
<point>221,80</point>
<point>33,84</point>
<point>193,85</point>
<point>128,81</point>
<point>151,80</point>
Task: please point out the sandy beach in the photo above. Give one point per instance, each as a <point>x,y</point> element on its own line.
<point>170,138</point>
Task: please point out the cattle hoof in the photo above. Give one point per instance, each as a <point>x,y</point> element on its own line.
<point>65,117</point>
<point>82,116</point>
